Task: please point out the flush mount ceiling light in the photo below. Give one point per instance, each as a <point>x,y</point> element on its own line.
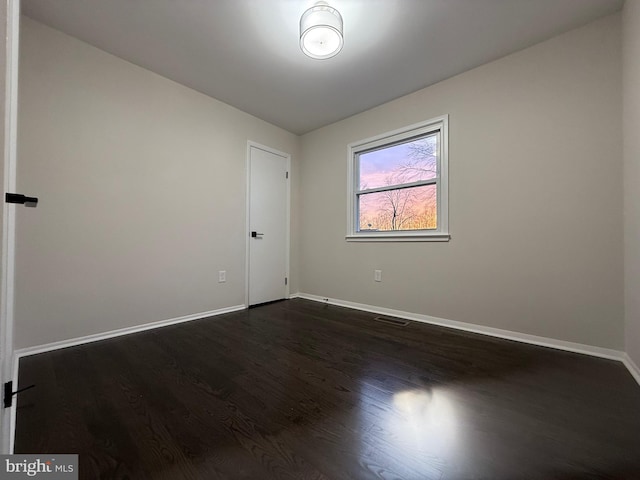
<point>321,31</point>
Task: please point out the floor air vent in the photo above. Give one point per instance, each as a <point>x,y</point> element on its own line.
<point>392,321</point>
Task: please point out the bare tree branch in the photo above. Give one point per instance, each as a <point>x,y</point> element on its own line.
<point>407,208</point>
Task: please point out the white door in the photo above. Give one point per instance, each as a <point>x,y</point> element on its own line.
<point>268,190</point>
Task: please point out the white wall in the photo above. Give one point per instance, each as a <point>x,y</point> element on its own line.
<point>631,116</point>
<point>535,198</point>
<point>142,193</point>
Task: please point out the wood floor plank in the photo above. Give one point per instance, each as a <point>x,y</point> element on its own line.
<point>303,390</point>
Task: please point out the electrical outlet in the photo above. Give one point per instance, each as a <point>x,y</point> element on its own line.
<point>377,275</point>
<point>222,276</point>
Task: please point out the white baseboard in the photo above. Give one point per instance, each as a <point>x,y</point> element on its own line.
<point>493,332</point>
<point>23,352</point>
<point>631,366</point>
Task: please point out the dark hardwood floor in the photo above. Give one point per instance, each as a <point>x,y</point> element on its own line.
<point>302,390</point>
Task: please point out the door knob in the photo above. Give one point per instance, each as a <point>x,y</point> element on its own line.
<point>256,235</point>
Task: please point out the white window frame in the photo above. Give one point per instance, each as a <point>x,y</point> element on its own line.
<point>438,125</point>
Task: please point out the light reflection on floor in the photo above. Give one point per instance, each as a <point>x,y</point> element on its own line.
<point>420,428</point>
<point>427,421</point>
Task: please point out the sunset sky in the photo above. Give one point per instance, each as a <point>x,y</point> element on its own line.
<point>378,166</point>
<point>383,167</point>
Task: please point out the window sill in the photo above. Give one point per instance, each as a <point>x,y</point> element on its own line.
<point>399,237</point>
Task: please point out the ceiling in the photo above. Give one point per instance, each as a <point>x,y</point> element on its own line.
<point>246,52</point>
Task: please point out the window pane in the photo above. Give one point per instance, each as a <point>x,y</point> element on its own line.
<point>402,209</point>
<point>403,163</point>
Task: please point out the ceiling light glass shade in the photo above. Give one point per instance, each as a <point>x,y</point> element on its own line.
<point>321,31</point>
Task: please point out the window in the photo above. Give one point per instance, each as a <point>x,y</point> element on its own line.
<point>398,185</point>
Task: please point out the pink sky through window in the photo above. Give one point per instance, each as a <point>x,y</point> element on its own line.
<point>404,209</point>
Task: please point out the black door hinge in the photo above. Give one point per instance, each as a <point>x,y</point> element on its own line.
<point>287,175</point>
<point>9,393</point>
<point>286,280</point>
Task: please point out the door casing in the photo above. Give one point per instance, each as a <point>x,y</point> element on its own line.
<point>8,362</point>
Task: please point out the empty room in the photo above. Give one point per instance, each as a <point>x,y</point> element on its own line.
<point>291,239</point>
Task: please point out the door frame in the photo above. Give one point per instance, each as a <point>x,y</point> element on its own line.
<point>9,364</point>
<point>287,157</point>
